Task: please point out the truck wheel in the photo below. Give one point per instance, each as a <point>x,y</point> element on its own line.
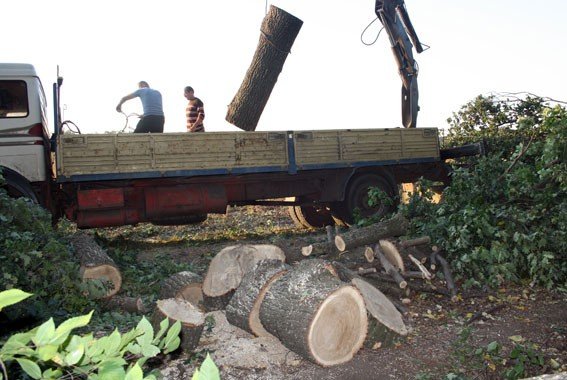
<point>356,198</point>
<point>310,216</point>
<point>16,186</point>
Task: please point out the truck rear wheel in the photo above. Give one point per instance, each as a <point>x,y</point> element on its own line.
<point>356,198</point>
<point>310,216</point>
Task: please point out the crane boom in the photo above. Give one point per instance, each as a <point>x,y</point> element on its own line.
<point>396,22</point>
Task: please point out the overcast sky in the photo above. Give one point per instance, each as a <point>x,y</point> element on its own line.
<point>330,80</point>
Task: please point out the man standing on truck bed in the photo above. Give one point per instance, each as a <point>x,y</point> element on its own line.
<point>153,118</point>
<point>195,111</point>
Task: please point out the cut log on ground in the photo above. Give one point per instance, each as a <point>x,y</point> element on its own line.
<point>393,255</point>
<point>386,324</point>
<point>318,249</point>
<point>277,34</point>
<point>185,285</point>
<point>192,320</point>
<point>315,314</point>
<point>132,305</point>
<point>96,265</point>
<point>390,269</point>
<point>369,235</point>
<point>417,241</point>
<point>227,269</point>
<point>243,309</point>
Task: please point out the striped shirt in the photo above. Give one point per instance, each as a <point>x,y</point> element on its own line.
<point>194,109</point>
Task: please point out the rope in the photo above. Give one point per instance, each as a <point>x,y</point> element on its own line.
<point>364,31</point>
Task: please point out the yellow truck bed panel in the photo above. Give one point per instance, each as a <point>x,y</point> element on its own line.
<point>99,154</point>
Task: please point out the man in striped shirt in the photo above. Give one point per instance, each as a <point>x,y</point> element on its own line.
<point>195,111</point>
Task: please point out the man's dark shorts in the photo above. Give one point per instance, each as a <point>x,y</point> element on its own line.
<point>150,124</point>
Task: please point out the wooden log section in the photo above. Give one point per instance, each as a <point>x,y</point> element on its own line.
<point>95,264</point>
<point>369,235</point>
<point>318,249</point>
<point>191,317</point>
<point>132,305</point>
<point>185,285</point>
<point>315,314</point>
<point>227,269</point>
<point>393,255</point>
<point>277,34</point>
<point>390,269</point>
<point>243,309</point>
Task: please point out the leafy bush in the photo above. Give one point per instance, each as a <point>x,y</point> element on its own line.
<point>504,217</point>
<point>35,258</point>
<point>50,352</point>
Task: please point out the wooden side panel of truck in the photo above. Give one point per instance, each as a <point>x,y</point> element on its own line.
<point>116,156</point>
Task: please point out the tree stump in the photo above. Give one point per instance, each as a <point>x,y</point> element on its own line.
<point>96,264</point>
<point>278,32</point>
<point>244,308</point>
<point>227,269</point>
<point>191,317</point>
<point>353,238</point>
<point>315,314</point>
<point>185,285</point>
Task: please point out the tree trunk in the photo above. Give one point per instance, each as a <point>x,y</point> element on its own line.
<point>369,235</point>
<point>227,269</point>
<point>185,285</point>
<point>192,320</point>
<point>278,32</point>
<point>96,265</point>
<point>244,308</point>
<point>315,314</point>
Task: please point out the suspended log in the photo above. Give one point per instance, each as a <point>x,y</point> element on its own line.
<point>192,320</point>
<point>95,264</point>
<point>369,235</point>
<point>243,309</point>
<point>185,285</point>
<point>227,269</point>
<point>132,305</point>
<point>277,34</point>
<point>315,314</point>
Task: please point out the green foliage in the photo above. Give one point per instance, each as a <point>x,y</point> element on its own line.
<point>36,259</point>
<point>11,297</point>
<point>50,352</point>
<point>504,218</point>
<point>207,371</point>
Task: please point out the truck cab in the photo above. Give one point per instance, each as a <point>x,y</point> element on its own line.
<point>24,147</point>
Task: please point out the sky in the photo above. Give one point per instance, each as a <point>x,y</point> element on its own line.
<point>330,80</point>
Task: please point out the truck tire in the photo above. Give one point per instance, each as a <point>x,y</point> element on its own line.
<point>310,216</point>
<point>17,186</point>
<point>356,198</point>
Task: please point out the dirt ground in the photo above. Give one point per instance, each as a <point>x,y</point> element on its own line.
<point>437,345</point>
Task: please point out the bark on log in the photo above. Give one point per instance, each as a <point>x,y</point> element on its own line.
<point>132,305</point>
<point>393,255</point>
<point>417,241</point>
<point>315,314</point>
<point>395,226</point>
<point>96,264</point>
<point>184,285</point>
<point>277,34</point>
<point>227,269</point>
<point>191,317</point>
<point>318,249</point>
<point>243,309</point>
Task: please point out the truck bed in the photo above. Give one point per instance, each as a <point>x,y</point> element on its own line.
<point>94,157</point>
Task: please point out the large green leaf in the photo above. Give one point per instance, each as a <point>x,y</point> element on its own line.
<point>12,296</point>
<point>31,368</point>
<point>75,355</point>
<point>63,330</point>
<point>135,373</point>
<point>209,370</point>
<point>44,333</point>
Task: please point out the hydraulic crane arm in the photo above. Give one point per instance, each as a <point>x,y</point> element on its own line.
<point>396,21</point>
